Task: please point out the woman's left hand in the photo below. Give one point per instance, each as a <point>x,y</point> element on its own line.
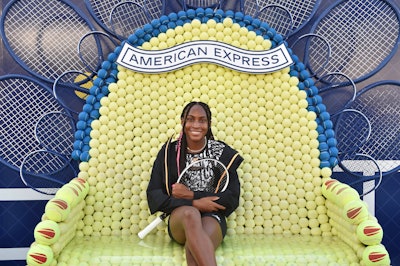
<point>181,191</point>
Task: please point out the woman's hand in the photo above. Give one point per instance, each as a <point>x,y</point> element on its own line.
<point>208,204</point>
<point>180,191</point>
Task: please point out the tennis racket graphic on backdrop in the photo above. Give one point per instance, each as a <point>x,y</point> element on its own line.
<point>55,131</point>
<point>101,10</point>
<point>352,130</point>
<point>23,102</point>
<point>71,89</point>
<point>155,8</point>
<point>193,4</point>
<point>301,11</point>
<point>126,17</point>
<point>93,49</point>
<point>380,102</point>
<point>46,171</point>
<point>278,17</point>
<point>363,172</point>
<point>208,167</point>
<point>315,51</point>
<point>42,36</point>
<point>363,35</point>
<point>337,91</point>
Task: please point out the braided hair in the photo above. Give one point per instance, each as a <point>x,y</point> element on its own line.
<point>182,143</point>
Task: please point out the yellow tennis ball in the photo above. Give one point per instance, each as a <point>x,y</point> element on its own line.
<point>346,194</point>
<point>57,209</point>
<point>81,183</point>
<point>39,254</point>
<point>47,232</point>
<point>375,255</point>
<point>370,232</point>
<point>355,211</point>
<point>70,194</point>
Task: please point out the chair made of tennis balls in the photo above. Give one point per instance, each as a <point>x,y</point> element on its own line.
<point>291,211</point>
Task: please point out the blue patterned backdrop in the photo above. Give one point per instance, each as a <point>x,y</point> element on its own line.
<point>21,210</point>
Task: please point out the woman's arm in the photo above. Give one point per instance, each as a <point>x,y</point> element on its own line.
<point>230,197</point>
<point>158,197</point>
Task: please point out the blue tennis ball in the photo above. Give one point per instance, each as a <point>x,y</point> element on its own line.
<point>83,116</point>
<point>323,146</point>
<point>106,65</point>
<point>98,98</point>
<point>155,23</point>
<point>324,164</point>
<point>88,129</point>
<point>164,19</point>
<point>85,148</point>
<point>320,129</point>
<point>118,49</point>
<point>304,74</point>
<point>182,15</point>
<point>171,25</point>
<point>94,114</point>
<point>102,73</point>
<point>321,108</point>
<point>333,161</point>
<point>254,21</point>
<point>295,59</point>
<point>311,108</point>
<point>76,154</point>
<point>308,81</point>
<point>332,142</point>
<point>148,28</point>
<point>112,57</point>
<point>79,134</point>
<point>209,12</point>
<point>322,138</point>
<point>330,133</point>
<point>163,28</point>
<point>271,33</point>
<point>173,16</point>
<point>86,140</point>
<point>300,66</point>
<point>191,14</point>
<point>104,89</point>
<point>238,16</point>
<point>132,39</point>
<point>294,73</point>
<point>328,124</point>
<point>84,156</point>
<point>324,156</point>
<point>229,14</point>
<point>81,125</point>
<point>98,82</point>
<point>249,20</point>
<point>333,151</point>
<point>325,116</point>
<point>313,90</point>
<point>278,39</point>
<point>140,33</point>
<point>219,14</point>
<point>264,26</point>
<point>87,108</point>
<point>91,99</point>
<point>179,22</point>
<point>78,144</point>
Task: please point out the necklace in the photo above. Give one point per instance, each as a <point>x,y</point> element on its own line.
<point>199,150</point>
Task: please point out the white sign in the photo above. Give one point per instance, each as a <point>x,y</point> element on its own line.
<point>158,61</point>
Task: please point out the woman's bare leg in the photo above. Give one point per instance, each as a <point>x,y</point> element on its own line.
<point>201,238</point>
